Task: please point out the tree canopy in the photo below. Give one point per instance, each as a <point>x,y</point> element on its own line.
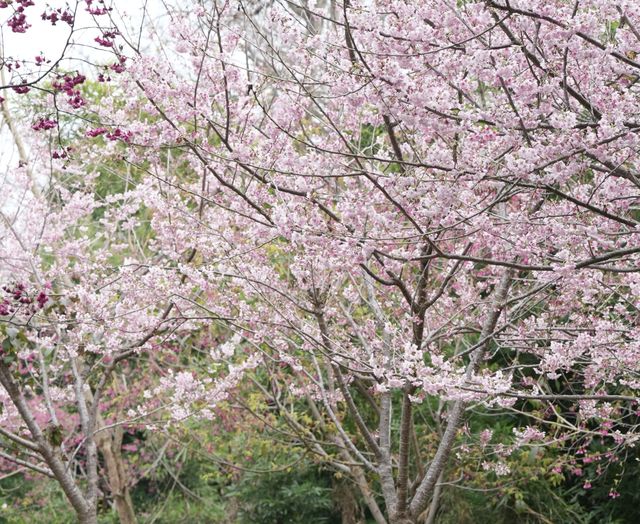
<point>356,258</point>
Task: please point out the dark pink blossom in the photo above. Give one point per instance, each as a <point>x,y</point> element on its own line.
<point>44,124</point>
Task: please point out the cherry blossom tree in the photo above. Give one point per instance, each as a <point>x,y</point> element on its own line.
<point>383,203</point>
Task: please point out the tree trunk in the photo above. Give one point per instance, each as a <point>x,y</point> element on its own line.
<point>88,518</point>
<point>345,499</point>
<point>425,490</point>
<point>435,502</point>
<point>85,509</point>
<point>109,442</point>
